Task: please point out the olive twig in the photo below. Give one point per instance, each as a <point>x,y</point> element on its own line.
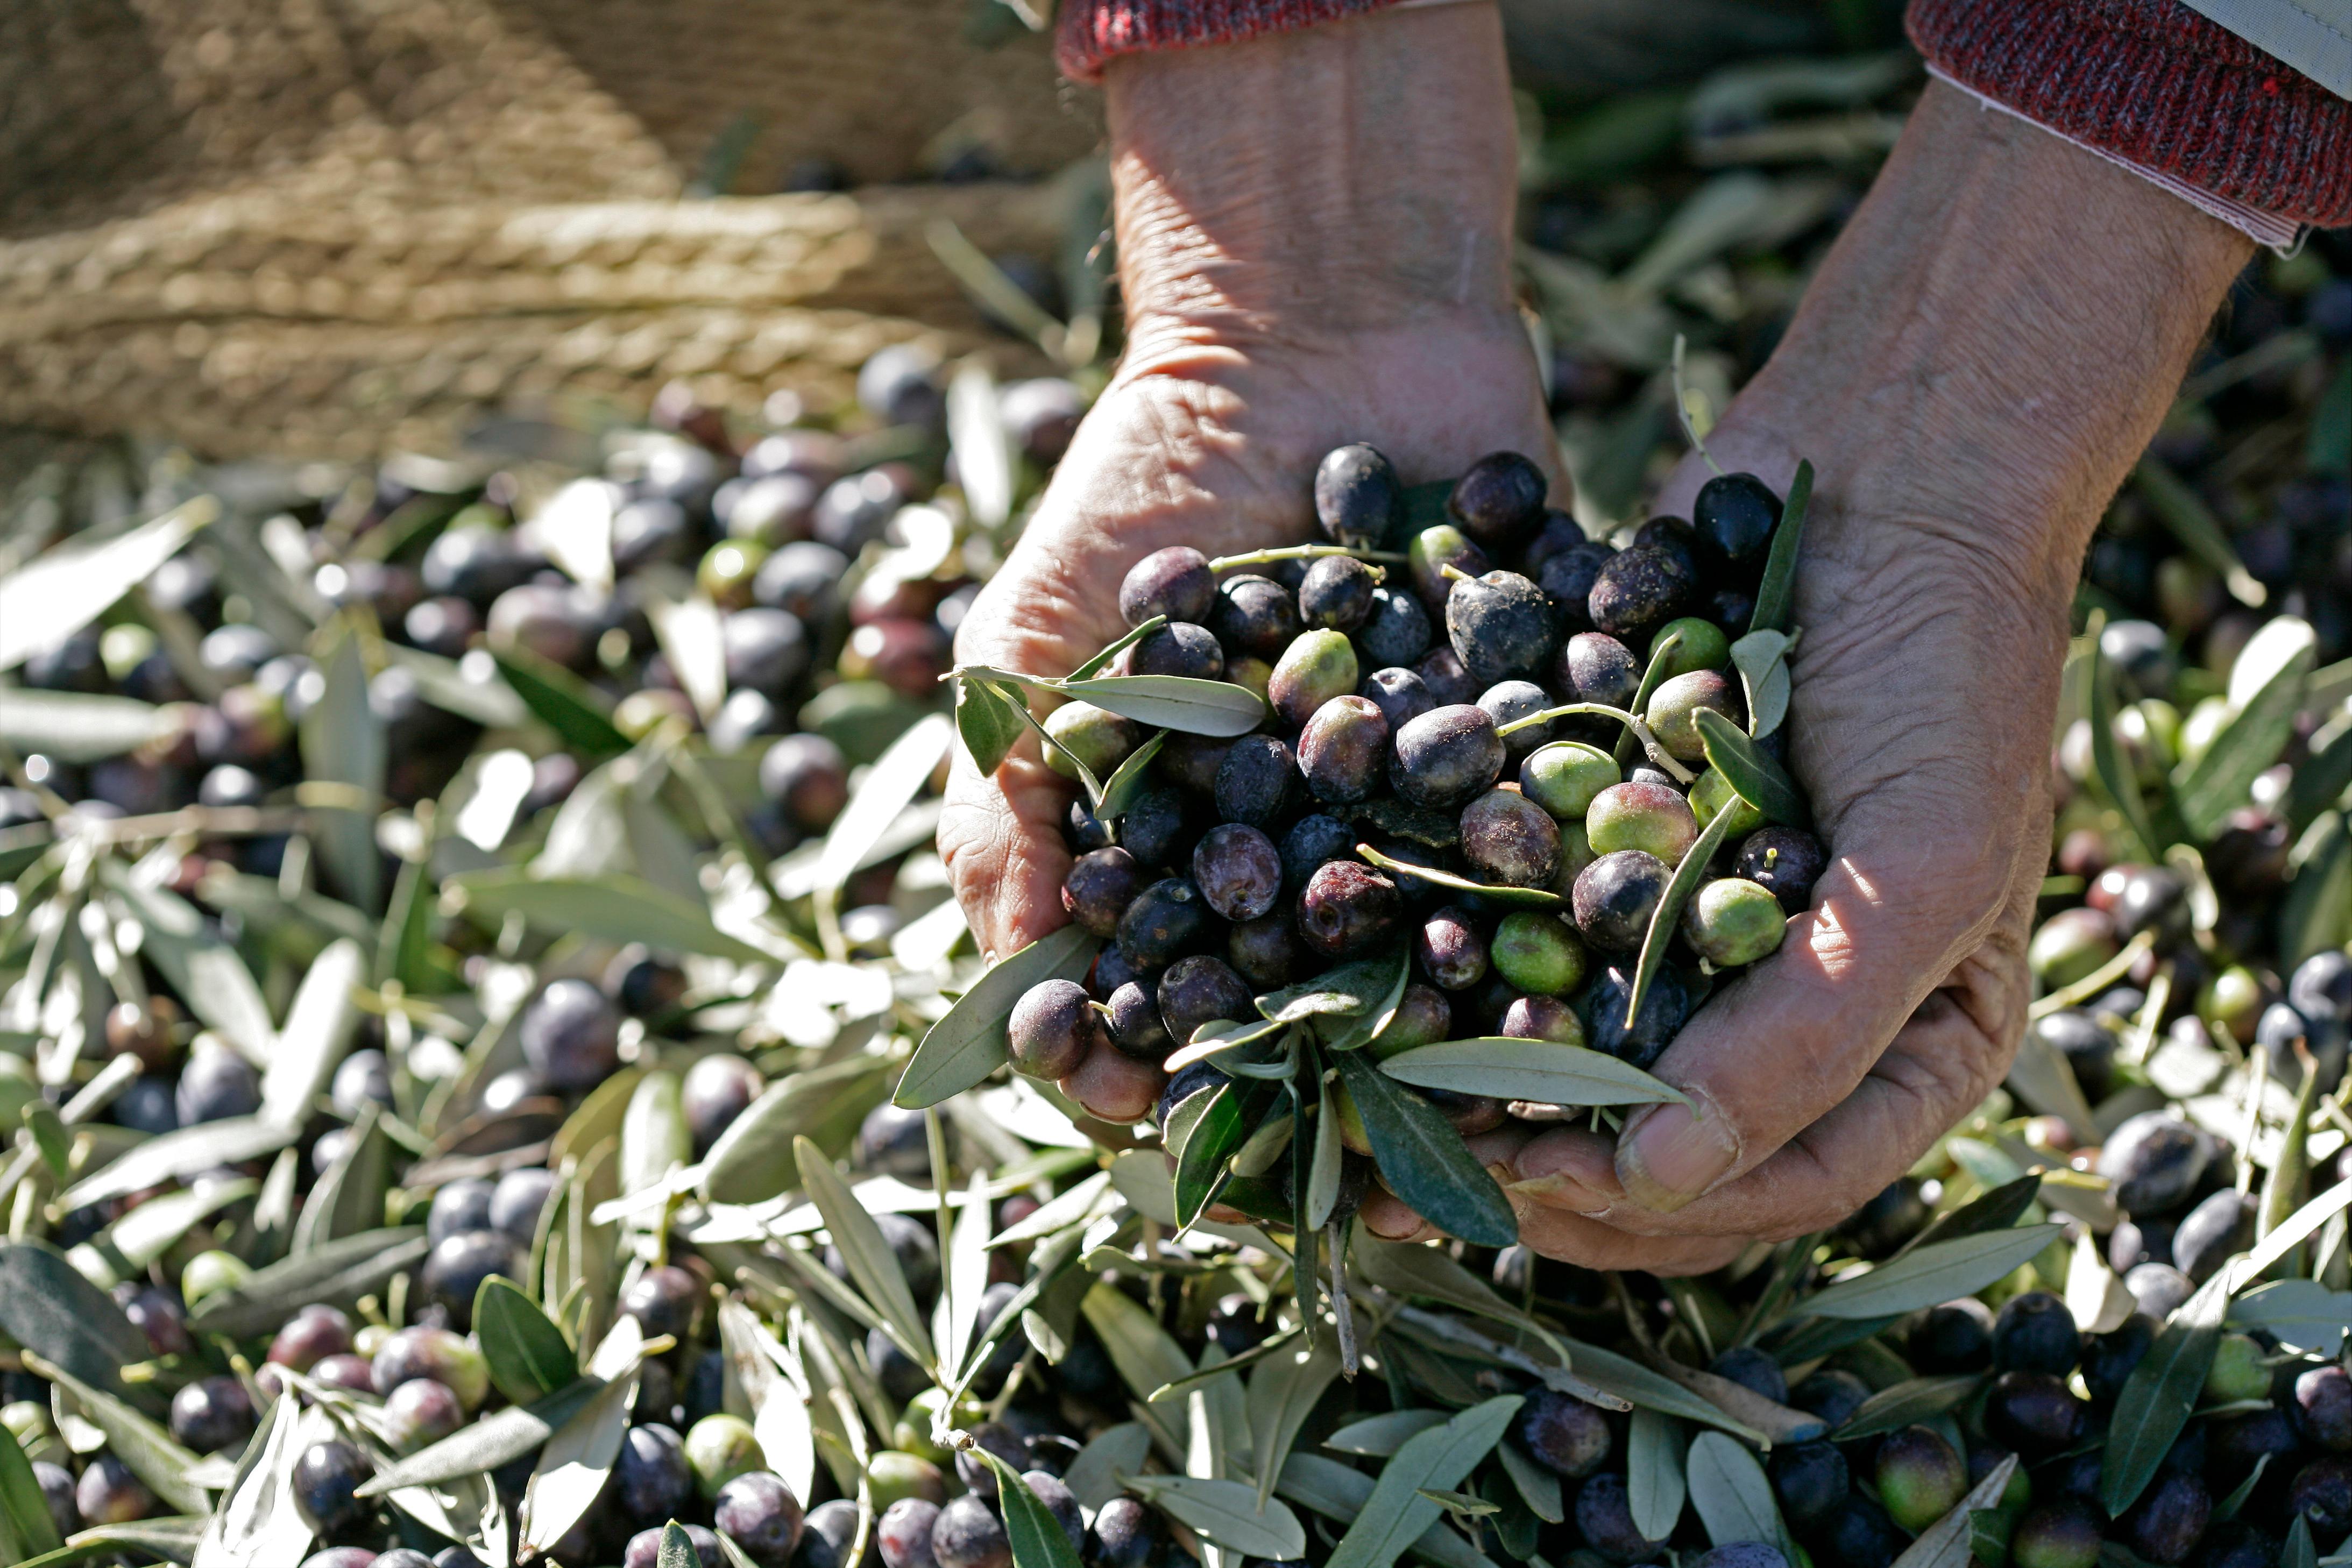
<point>1659,755</point>
<point>2096,982</point>
<point>1304,552</point>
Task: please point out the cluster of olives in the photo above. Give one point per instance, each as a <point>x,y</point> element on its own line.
<point>1410,715</point>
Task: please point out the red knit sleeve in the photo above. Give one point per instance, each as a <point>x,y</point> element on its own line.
<point>1093,31</point>
<point>2158,85</point>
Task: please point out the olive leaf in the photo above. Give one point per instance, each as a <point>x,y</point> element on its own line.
<point>1549,1071</point>
<point>1423,1160</point>
<point>2265,688</point>
<point>1753,775</point>
<point>1348,992</point>
<point>1324,1163</point>
<point>1396,1514</point>
<point>342,742</point>
<point>1127,781</point>
<point>1639,1386</point>
<point>336,1273</point>
<point>1200,1165</point>
<point>1339,1492</point>
<point>2319,782</point>
<point>2181,510</point>
<point>257,1522</point>
<point>1378,1436</point>
<point>1732,1495</point>
<point>1996,1210</point>
<point>564,703</point>
<point>890,785</point>
<point>2161,1392</point>
<point>753,1159</point>
<point>23,1504</point>
<point>1931,1274</point>
<point>1228,1513</point>
<point>349,1196</point>
<point>1511,898</point>
<point>2292,1232</point>
<point>1126,640</point>
<point>56,594</point>
<point>1909,1403</point>
<point>1762,660</point>
<point>1537,1485</point>
<point>616,906</point>
<point>2108,769</point>
<point>48,1307</point>
<point>1093,1475</point>
<point>870,1260</point>
<point>528,1355</point>
<point>1776,592</point>
<point>1655,673</point>
<point>2300,1551</point>
<point>969,1043</point>
<point>1173,701</point>
<point>677,1549</point>
<point>1283,1392</point>
<point>2303,1314</point>
<point>80,727</point>
<point>2316,914</point>
<point>576,1463</point>
<point>1946,1542</point>
<point>206,972</point>
<point>138,1441</point>
<point>1655,1485</point>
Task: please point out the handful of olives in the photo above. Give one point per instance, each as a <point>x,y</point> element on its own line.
<point>1505,783</point>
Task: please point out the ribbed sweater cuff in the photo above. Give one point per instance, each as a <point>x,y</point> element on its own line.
<point>1094,31</point>
<point>2158,86</point>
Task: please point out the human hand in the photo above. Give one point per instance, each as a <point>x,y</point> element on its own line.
<point>1323,259</point>
<point>1970,390</point>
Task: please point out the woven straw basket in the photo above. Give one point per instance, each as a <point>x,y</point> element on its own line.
<point>327,227</point>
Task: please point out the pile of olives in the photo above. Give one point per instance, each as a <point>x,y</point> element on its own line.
<point>1415,785</point>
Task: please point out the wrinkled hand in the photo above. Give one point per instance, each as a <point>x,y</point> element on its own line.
<point>1214,448</point>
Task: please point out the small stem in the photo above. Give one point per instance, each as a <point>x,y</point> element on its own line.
<point>1660,757</point>
<point>1303,552</point>
<point>1351,1359</point>
<point>1452,573</point>
<point>2097,980</point>
<point>2258,1079</point>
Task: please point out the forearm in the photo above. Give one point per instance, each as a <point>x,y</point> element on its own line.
<point>1998,331</point>
<point>1354,176</point>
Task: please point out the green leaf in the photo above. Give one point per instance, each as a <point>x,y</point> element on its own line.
<point>2316,914</point>
<point>1378,1436</point>
<point>2184,512</point>
<point>1351,990</point>
<point>1423,1160</point>
<point>576,1463</point>
<point>22,1501</point>
<point>968,1044</point>
<point>986,722</point>
<point>173,1539</point>
<point>48,1307</point>
<point>230,1140</point>
<point>530,1358</point>
<point>1146,1359</point>
<point>2159,1395</point>
<point>1996,1210</point>
<point>1127,781</point>
<point>318,1033</point>
<point>1038,1539</point>
<point>1093,1475</point>
<point>1639,1385</point>
<point>619,908</point>
<point>1283,1392</point>
<point>138,1442</point>
<point>1324,1164</point>
<point>498,1438</point>
<point>445,682</point>
<point>1732,1495</point>
<point>1228,1513</point>
<point>872,1263</point>
<point>1946,1542</point>
<point>1932,1274</point>
<point>2108,769</point>
<point>1537,1485</point>
<point>2303,1314</point>
<point>77,727</point>
<point>2300,1551</point>
<point>563,702</point>
<point>1776,594</point>
<point>343,743</point>
<point>2265,688</point>
<point>653,1134</point>
<point>1539,1070</point>
<point>896,777</point>
<point>1339,1492</point>
<point>1655,1485</point>
<point>1762,660</point>
<point>1755,776</point>
<point>206,972</point>
<point>59,593</point>
<point>337,1273</point>
<point>1200,1158</point>
<point>2319,780</point>
<point>1406,1269</point>
<point>349,1198</point>
<point>1689,873</point>
<point>1174,702</point>
<point>1908,1403</point>
<point>1396,1513</point>
<point>1511,897</point>
<point>1127,639</point>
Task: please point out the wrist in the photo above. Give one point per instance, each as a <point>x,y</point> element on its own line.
<point>1993,340</point>
<point>1314,188</point>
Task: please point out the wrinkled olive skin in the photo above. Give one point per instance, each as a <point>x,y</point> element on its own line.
<point>1175,582</point>
<point>1538,953</point>
<point>1201,989</point>
<point>1565,576</point>
<point>1615,897</point>
<point>1500,500</point>
<point>1253,617</point>
<point>1336,594</point>
<point>1311,841</point>
<point>1446,756</point>
<point>1100,886</point>
<point>1358,499</point>
<point>1135,1027</point>
<point>1566,1435</point>
<point>2154,1160</point>
<point>1343,749</point>
<point>1638,590</point>
<point>1510,840</point>
<point>1500,627</point>
<point>1453,951</point>
<point>1054,1028</point>
<point>1348,908</point>
<point>1238,871</point>
<point>1395,630</point>
<point>1255,781</point>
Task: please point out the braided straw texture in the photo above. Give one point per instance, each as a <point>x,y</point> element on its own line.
<point>324,227</point>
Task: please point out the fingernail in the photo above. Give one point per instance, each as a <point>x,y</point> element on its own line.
<point>1675,1155</point>
<point>1557,1191</point>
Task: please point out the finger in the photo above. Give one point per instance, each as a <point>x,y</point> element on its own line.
<point>1392,1218</point>
<point>1114,1086</point>
<point>1591,1244</point>
<point>1000,836</point>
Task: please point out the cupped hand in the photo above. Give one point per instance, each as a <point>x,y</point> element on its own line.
<point>1213,446</point>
